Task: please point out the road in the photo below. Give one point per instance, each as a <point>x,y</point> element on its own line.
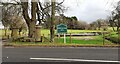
<point>65,54</point>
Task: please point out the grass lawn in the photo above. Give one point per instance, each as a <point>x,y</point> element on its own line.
<point>94,40</point>
<point>46,32</point>
<point>111,29</point>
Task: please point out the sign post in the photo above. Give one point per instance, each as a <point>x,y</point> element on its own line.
<point>62,29</point>
<point>64,39</point>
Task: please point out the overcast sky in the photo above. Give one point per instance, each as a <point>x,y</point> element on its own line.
<point>89,10</point>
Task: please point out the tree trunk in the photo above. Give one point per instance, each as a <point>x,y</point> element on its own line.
<point>113,28</point>
<point>117,28</point>
<point>31,28</point>
<point>30,22</point>
<point>14,33</point>
<point>52,27</point>
<point>5,34</point>
<point>33,20</point>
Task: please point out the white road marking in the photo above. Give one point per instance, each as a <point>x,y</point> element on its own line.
<point>60,59</point>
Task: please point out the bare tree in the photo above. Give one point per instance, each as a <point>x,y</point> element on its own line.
<point>9,10</point>
<point>52,25</point>
<point>115,19</point>
<point>112,24</point>
<point>36,9</point>
<point>31,22</point>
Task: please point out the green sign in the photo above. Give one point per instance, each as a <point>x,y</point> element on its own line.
<point>61,28</point>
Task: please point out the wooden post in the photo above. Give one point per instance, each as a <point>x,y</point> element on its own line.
<point>70,38</point>
<point>5,31</point>
<point>43,38</point>
<point>58,37</point>
<point>118,36</point>
<point>64,38</point>
<point>103,38</point>
<point>8,36</point>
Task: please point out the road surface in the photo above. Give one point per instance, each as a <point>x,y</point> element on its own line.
<point>65,54</point>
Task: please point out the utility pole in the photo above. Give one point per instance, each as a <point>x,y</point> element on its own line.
<point>52,26</point>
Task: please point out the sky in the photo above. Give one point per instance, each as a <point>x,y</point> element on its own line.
<point>89,10</point>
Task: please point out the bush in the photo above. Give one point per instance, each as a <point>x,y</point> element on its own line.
<point>114,39</point>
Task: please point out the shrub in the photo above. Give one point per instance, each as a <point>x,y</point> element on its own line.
<point>114,39</point>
